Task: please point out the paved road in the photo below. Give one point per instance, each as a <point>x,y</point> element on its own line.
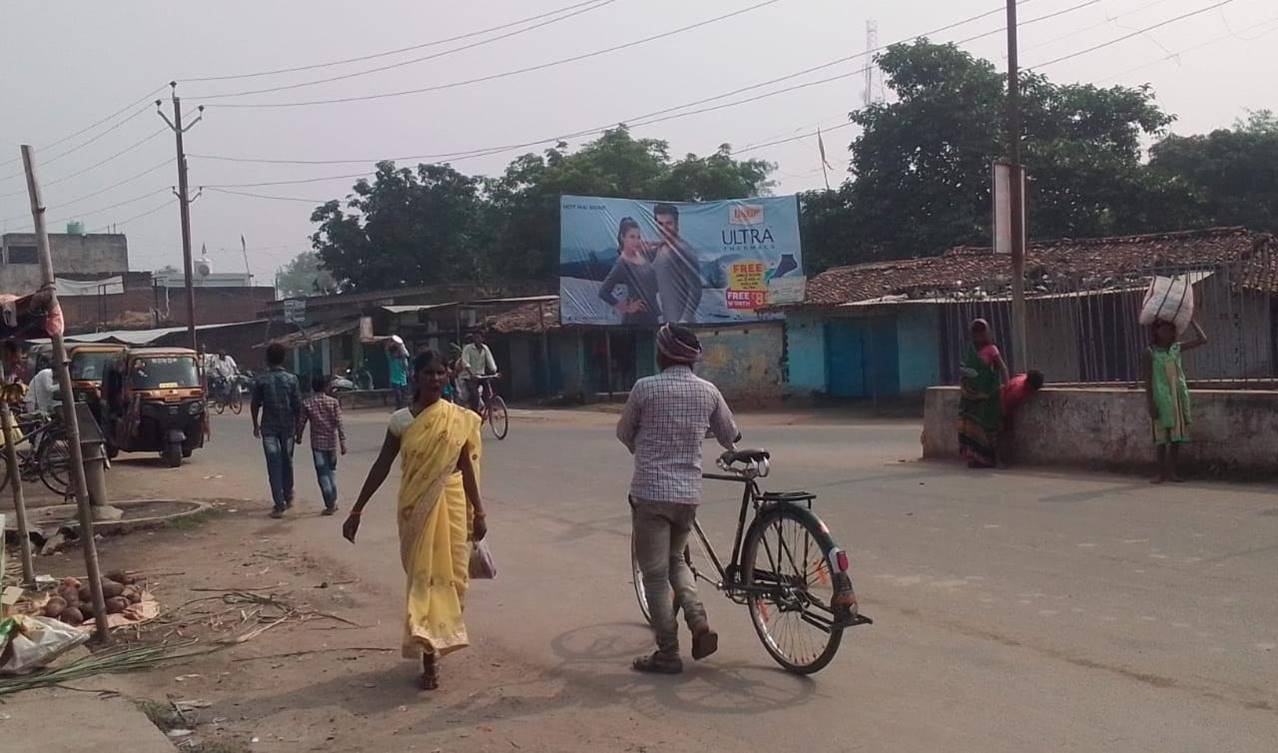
<point>1015,610</point>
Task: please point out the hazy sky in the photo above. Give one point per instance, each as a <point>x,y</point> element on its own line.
<point>65,64</point>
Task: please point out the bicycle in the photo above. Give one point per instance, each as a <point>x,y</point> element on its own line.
<point>226,393</point>
<point>492,408</point>
<point>43,453</point>
<point>799,611</point>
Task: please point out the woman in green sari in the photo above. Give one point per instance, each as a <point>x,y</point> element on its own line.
<point>980,406</point>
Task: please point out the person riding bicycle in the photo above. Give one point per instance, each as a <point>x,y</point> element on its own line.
<point>664,422</point>
<point>476,361</point>
<point>222,371</point>
<point>42,393</point>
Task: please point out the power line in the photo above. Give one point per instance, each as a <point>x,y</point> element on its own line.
<point>800,137</point>
<point>1136,33</point>
<point>599,129</point>
<point>92,125</point>
<point>265,196</point>
<point>507,74</point>
<point>1260,27</point>
<point>92,167</point>
<point>1108,20</point>
<point>74,149</point>
<point>150,211</point>
<point>104,209</point>
<point>374,56</point>
<point>101,191</point>
<point>402,63</point>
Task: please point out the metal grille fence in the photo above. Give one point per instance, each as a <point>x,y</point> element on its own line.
<point>1085,329</point>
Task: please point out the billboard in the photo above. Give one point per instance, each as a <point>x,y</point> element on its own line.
<point>645,263</point>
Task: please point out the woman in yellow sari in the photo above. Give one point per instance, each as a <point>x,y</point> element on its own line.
<point>439,512</point>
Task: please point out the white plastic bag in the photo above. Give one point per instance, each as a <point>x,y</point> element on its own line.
<point>1169,299</point>
<point>481,562</point>
<point>38,641</point>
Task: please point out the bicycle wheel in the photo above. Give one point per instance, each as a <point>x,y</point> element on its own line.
<point>498,418</point>
<point>790,589</point>
<point>219,405</point>
<point>54,463</point>
<point>237,400</point>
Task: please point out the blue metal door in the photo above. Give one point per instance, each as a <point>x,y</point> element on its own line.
<point>844,358</point>
<point>861,357</point>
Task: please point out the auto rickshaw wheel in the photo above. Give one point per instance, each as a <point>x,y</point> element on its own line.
<point>172,454</point>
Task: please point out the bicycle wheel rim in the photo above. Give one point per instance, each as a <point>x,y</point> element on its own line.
<point>498,418</point>
<point>237,402</point>
<point>219,405</point>
<point>788,556</point>
<point>636,574</point>
<point>54,464</point>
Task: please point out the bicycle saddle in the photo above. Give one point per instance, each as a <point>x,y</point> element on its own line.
<point>745,456</point>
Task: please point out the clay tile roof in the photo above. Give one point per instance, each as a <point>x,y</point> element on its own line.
<point>523,318</point>
<point>1064,265</point>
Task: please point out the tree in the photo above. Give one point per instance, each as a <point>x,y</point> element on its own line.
<point>921,166</point>
<point>525,199</point>
<point>408,227</point>
<point>304,276</point>
<point>1231,174</point>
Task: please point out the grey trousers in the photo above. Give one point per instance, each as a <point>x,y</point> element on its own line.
<point>661,531</point>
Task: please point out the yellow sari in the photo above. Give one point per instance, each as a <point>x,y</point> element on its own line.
<point>434,526</point>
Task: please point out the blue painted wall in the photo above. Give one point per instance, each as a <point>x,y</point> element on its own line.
<point>806,336</point>
<point>918,335</point>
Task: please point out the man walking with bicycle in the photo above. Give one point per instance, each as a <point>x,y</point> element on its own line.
<point>664,422</point>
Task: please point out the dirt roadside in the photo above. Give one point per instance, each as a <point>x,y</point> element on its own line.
<point>328,676</point>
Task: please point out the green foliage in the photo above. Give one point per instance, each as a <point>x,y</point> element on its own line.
<point>435,225</point>
<point>922,163</point>
<point>304,275</point>
<point>408,227</point>
<point>1230,175</point>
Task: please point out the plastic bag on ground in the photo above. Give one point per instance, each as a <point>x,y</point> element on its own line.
<point>36,641</point>
<point>1169,299</point>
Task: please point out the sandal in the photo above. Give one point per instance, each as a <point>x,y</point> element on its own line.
<point>658,664</point>
<point>704,643</point>
<point>430,673</point>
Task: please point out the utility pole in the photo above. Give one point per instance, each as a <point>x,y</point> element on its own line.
<point>184,201</point>
<point>1016,185</point>
<point>69,421</point>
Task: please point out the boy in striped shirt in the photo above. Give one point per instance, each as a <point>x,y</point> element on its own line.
<point>328,437</point>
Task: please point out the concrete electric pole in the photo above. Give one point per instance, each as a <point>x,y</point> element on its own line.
<point>184,201</point>
<point>1016,184</point>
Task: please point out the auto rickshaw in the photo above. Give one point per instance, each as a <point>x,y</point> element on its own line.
<point>89,363</point>
<point>154,403</point>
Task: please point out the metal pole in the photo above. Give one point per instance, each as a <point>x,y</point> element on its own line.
<point>608,360</point>
<point>545,348</point>
<point>15,478</point>
<point>70,424</point>
<point>1016,191</point>
<point>184,203</point>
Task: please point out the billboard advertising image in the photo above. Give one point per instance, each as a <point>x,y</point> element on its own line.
<point>645,263</point>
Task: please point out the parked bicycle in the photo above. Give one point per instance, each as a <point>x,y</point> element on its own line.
<point>43,453</point>
<point>784,567</point>
<point>492,408</point>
